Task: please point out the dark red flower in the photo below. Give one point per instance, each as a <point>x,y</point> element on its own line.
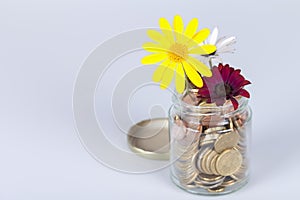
<point>226,83</point>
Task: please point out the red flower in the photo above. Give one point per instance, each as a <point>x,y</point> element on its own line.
<point>225,84</point>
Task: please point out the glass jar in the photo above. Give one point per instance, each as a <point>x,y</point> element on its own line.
<point>209,145</point>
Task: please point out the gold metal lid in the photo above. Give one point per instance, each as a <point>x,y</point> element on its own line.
<point>150,139</point>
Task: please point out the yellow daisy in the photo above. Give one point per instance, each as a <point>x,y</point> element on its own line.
<point>172,49</point>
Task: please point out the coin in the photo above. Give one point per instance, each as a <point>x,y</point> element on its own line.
<point>205,185</point>
<point>208,139</point>
<point>190,185</point>
<point>200,184</point>
<point>208,183</point>
<point>230,124</point>
<point>216,189</point>
<point>229,162</point>
<point>213,164</point>
<point>200,128</point>
<point>209,158</point>
<point>212,136</point>
<point>238,123</point>
<point>209,177</point>
<point>214,129</point>
<point>228,181</point>
<point>226,141</point>
<point>189,179</point>
<point>238,177</point>
<point>194,159</point>
<point>204,161</point>
<point>242,149</point>
<point>203,150</point>
<point>241,173</point>
<point>206,142</point>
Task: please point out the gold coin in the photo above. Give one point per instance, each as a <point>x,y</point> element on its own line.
<point>206,142</point>
<point>189,179</point>
<point>199,184</point>
<point>217,189</point>
<point>213,164</point>
<point>228,181</point>
<point>190,186</point>
<point>203,150</point>
<point>176,117</point>
<point>209,177</point>
<point>211,182</point>
<point>227,141</point>
<point>204,160</point>
<point>238,123</point>
<point>214,129</point>
<point>241,149</point>
<point>240,174</point>
<point>238,177</point>
<point>210,156</point>
<point>208,139</point>
<point>231,125</point>
<point>200,128</point>
<point>212,136</point>
<point>229,162</point>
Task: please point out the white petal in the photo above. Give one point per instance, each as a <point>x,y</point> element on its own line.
<point>220,40</point>
<point>214,36</point>
<point>228,41</point>
<point>226,49</point>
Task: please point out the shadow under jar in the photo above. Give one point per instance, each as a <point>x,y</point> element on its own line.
<point>209,146</point>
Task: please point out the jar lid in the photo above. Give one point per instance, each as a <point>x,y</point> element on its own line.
<point>150,139</point>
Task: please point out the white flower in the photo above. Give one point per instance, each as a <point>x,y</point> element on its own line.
<point>223,44</point>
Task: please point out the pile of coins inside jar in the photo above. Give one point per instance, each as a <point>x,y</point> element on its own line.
<point>210,149</point>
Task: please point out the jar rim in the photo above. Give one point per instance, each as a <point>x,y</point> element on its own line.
<point>202,109</point>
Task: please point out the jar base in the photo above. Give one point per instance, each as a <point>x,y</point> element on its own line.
<point>202,191</point>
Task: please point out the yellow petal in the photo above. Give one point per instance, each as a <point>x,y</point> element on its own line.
<point>166,29</point>
<point>199,37</point>
<point>153,58</point>
<point>192,75</point>
<point>158,37</point>
<point>167,78</point>
<point>178,26</point>
<point>203,49</point>
<point>200,67</point>
<point>172,65</point>
<point>180,79</point>
<point>191,28</point>
<point>153,47</point>
<point>159,71</point>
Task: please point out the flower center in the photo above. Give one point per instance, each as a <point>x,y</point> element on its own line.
<point>221,88</point>
<point>178,52</point>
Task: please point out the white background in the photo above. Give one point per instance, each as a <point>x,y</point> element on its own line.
<point>44,43</point>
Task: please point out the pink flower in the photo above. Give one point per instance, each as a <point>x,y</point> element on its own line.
<point>226,83</point>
